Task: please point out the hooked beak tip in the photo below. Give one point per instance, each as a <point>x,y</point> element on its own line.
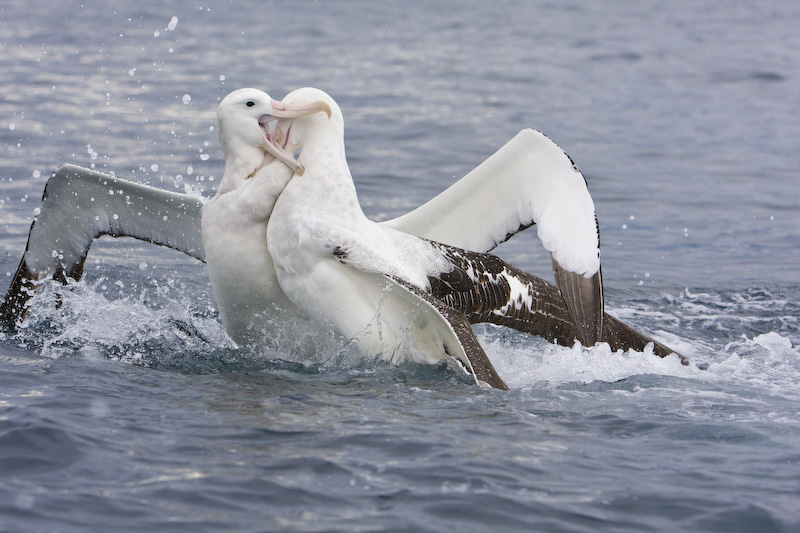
<point>325,108</point>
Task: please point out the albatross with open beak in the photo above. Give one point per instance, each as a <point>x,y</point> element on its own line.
<point>234,221</point>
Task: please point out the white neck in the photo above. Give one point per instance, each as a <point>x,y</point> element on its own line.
<point>239,165</point>
<point>327,180</point>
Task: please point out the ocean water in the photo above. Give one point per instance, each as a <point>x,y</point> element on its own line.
<point>125,407</point>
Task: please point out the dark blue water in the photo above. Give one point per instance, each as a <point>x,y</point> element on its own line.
<point>127,408</point>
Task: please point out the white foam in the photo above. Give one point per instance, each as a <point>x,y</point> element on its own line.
<point>86,319</point>
<point>83,319</point>
<point>160,326</point>
<point>767,364</point>
<point>536,362</point>
<point>768,361</point>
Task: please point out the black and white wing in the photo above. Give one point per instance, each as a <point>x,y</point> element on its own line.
<point>487,289</point>
<point>464,346</point>
<point>78,206</point>
<point>528,181</point>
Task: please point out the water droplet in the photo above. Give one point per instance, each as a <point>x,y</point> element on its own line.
<point>154,167</point>
<point>173,23</point>
<point>186,99</point>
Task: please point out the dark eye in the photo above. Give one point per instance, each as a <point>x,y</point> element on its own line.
<point>250,103</point>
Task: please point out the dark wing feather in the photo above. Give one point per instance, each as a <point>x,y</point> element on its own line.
<point>507,296</point>
<point>584,299</point>
<point>482,367</point>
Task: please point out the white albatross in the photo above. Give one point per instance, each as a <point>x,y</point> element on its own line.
<point>395,294</point>
<point>234,221</point>
<point>517,186</point>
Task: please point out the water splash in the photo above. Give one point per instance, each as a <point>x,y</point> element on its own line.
<point>176,330</point>
<point>84,319</point>
<point>526,361</point>
<point>166,329</point>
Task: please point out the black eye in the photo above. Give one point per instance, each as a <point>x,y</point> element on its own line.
<point>250,103</point>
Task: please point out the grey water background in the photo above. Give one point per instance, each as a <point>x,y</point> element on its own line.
<point>128,409</point>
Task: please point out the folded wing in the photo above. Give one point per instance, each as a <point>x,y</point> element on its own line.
<point>457,336</point>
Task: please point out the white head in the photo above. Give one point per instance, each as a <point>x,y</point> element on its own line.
<point>246,120</point>
<point>300,130</point>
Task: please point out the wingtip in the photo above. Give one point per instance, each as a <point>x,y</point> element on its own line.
<point>584,299</point>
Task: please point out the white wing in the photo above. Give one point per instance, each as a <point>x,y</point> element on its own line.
<point>528,181</point>
<point>78,206</point>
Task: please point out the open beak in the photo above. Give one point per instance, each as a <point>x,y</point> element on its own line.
<point>275,137</point>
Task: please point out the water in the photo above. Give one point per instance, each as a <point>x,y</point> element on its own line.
<point>128,408</point>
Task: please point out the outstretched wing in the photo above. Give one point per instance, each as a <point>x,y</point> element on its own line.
<point>78,206</point>
<point>487,289</point>
<point>528,181</point>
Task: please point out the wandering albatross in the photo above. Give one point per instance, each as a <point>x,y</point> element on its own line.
<point>234,222</point>
<point>354,275</point>
<point>80,205</point>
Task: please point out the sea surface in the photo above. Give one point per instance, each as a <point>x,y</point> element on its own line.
<point>124,406</point>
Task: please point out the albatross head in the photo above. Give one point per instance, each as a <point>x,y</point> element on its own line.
<point>299,131</point>
<point>246,119</point>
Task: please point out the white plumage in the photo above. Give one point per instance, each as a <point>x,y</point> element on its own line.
<point>529,180</point>
<point>340,268</point>
<point>333,264</point>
